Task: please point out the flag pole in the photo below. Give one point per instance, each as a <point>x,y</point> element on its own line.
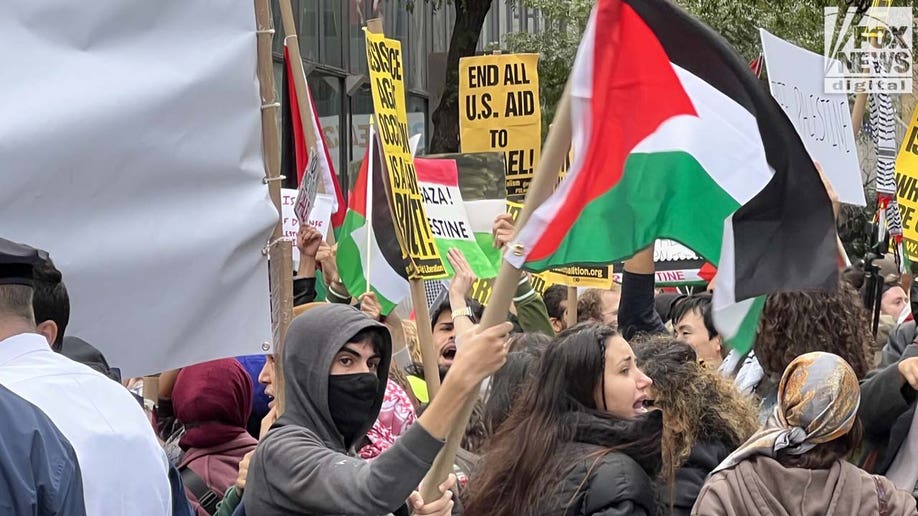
<point>371,169</point>
<point>418,296</point>
<point>543,182</point>
<point>304,104</point>
<point>291,41</point>
<point>279,250</point>
<point>571,315</point>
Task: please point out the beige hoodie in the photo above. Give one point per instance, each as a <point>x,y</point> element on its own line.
<point>763,487</point>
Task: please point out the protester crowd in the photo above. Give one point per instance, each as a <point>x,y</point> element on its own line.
<point>640,408</point>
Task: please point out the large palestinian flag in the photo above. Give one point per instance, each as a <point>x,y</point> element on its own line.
<point>388,269</point>
<point>683,142</point>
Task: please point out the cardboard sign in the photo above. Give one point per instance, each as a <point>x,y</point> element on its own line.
<point>823,120</point>
<point>907,187</point>
<point>309,186</point>
<point>384,57</point>
<point>499,110</point>
<point>320,218</point>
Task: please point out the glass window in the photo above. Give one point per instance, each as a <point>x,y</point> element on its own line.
<point>417,121</point>
<point>278,43</point>
<point>440,31</point>
<point>326,93</point>
<point>308,29</point>
<point>331,46</point>
<point>361,109</point>
<point>360,12</point>
<point>416,51</point>
<point>279,91</point>
<point>395,21</point>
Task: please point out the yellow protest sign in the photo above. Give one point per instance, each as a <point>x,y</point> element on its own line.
<point>573,275</point>
<point>907,187</point>
<point>499,110</point>
<point>387,83</point>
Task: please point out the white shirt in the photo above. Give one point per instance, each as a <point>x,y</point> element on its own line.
<point>125,471</point>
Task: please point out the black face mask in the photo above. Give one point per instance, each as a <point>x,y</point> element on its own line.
<point>351,398</point>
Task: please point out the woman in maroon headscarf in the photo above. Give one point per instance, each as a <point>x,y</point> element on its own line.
<point>213,400</point>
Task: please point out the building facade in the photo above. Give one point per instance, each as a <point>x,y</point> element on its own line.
<point>333,50</point>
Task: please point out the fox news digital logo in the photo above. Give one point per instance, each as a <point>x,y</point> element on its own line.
<point>873,55</point>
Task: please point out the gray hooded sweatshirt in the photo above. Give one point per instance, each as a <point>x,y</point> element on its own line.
<point>302,466</point>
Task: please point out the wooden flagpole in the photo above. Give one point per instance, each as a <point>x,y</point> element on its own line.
<point>369,205</point>
<point>571,315</point>
<point>299,76</point>
<point>543,184</point>
<point>418,299</point>
<point>280,251</point>
<point>304,106</point>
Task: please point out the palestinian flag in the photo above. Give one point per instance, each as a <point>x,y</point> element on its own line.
<point>681,141</point>
<point>388,269</point>
<point>328,179</point>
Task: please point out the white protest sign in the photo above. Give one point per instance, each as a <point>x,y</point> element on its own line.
<point>306,196</point>
<point>449,223</point>
<point>822,120</point>
<point>319,218</point>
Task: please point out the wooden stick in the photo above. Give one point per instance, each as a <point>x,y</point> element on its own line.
<point>299,76</point>
<point>571,315</point>
<point>282,270</point>
<point>418,299</point>
<point>543,184</point>
<point>425,338</point>
<point>304,106</point>
<point>371,169</point>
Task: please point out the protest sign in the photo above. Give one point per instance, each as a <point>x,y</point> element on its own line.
<point>500,111</point>
<point>306,195</point>
<point>384,57</point>
<point>449,223</point>
<point>907,187</point>
<point>823,120</point>
<point>132,218</point>
<point>573,275</point>
<point>319,218</point>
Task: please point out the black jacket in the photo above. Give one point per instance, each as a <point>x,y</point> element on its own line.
<point>886,410</point>
<point>704,457</point>
<point>899,339</point>
<point>611,484</point>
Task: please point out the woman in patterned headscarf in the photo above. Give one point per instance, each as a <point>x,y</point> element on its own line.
<point>796,464</point>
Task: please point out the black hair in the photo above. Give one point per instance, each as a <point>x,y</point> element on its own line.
<point>506,386</point>
<point>444,306</point>
<point>50,300</point>
<point>696,303</point>
<point>375,336</point>
<point>553,297</point>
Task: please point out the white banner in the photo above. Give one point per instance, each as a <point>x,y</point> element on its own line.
<point>823,120</point>
<point>132,152</point>
<point>319,218</point>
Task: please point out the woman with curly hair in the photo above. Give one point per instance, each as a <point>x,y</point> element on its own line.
<point>580,441</point>
<point>704,418</point>
<point>795,323</point>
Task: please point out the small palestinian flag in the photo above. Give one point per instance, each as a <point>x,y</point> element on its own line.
<point>681,141</point>
<point>388,268</point>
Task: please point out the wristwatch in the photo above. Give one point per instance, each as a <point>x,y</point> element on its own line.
<point>464,312</point>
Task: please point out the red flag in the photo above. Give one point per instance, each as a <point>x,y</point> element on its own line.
<point>329,179</point>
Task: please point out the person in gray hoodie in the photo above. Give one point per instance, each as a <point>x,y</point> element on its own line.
<point>336,363</point>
